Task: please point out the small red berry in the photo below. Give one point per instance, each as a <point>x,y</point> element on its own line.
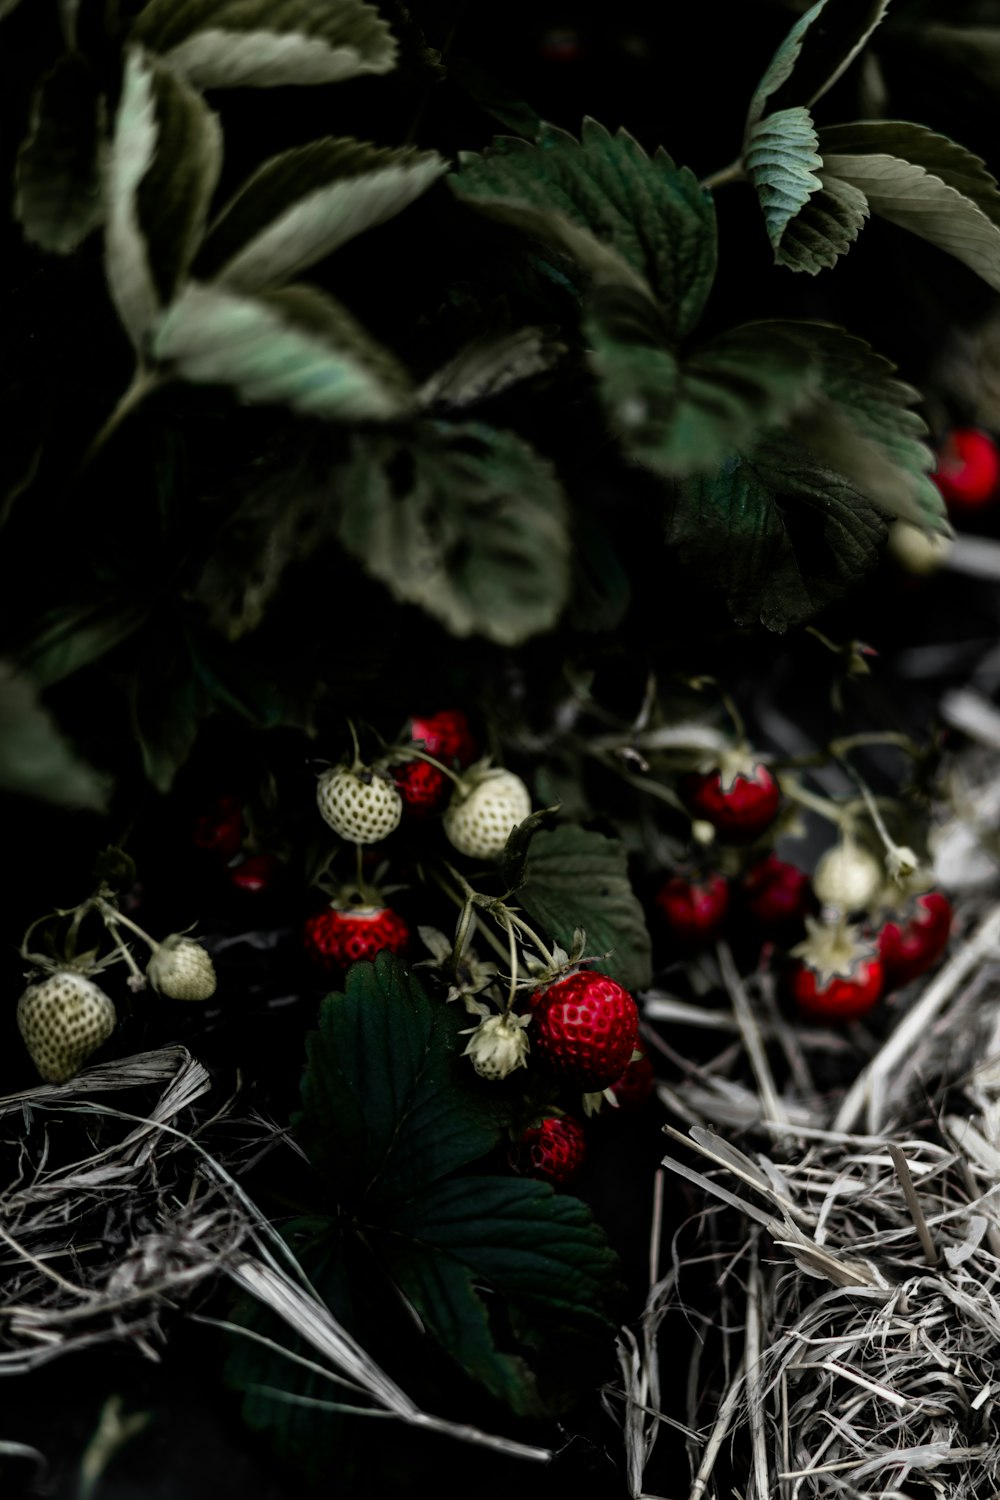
<point>968,470</point>
<point>584,1029</point>
<point>911,949</point>
<point>423,788</point>
<point>219,830</point>
<point>337,937</point>
<point>446,736</point>
<point>739,809</point>
<point>841,998</point>
<point>693,910</point>
<point>636,1084</point>
<point>255,874</point>
<point>776,895</point>
<point>552,1151</point>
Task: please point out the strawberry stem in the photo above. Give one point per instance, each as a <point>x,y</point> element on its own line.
<point>532,937</point>
<point>114,918</point>
<point>357,762</point>
<point>834,813</point>
<point>130,963</point>
<point>512,945</point>
<point>414,753</point>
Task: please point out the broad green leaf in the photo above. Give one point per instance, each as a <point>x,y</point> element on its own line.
<point>467,522</point>
<point>162,169</point>
<point>295,347</point>
<point>169,703</point>
<point>923,182</point>
<point>575,878</point>
<point>540,1251</point>
<point>781,162</point>
<point>685,417</point>
<point>652,215</point>
<point>816,52</point>
<point>266,43</point>
<point>825,227</point>
<point>489,365</point>
<point>77,636</point>
<point>35,758</point>
<point>863,425</point>
<point>388,1105</point>
<point>302,205</point>
<point>58,179</point>
<point>779,534</point>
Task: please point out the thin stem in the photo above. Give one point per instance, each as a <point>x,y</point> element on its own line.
<point>733,173</point>
<point>354,742</point>
<point>453,895</point>
<point>873,812</point>
<point>849,742</point>
<point>130,962</point>
<point>143,382</point>
<point>512,959</point>
<point>412,751</point>
<point>74,928</point>
<point>532,937</point>
<point>359,873</point>
<point>822,805</point>
<point>112,918</point>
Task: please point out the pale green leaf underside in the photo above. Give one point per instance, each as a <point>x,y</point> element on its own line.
<point>653,215</point>
<point>781,161</point>
<point>58,179</point>
<point>825,227</point>
<point>295,347</point>
<point>133,147</point>
<point>468,523</point>
<point>267,43</point>
<point>302,205</point>
<point>816,52</point>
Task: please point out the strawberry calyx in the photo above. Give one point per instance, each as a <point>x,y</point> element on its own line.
<point>833,950</point>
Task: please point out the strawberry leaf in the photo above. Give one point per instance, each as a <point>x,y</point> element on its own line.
<point>574,878</point>
<point>35,759</point>
<point>467,522</point>
<point>387,1105</point>
<point>816,52</point>
<point>261,44</point>
<point>781,161</point>
<point>58,170</point>
<point>824,228</point>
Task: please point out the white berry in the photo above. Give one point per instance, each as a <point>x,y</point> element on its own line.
<point>182,970</point>
<point>848,877</point>
<point>63,1019</point>
<point>358,805</point>
<point>917,551</point>
<point>484,809</point>
<point>498,1045</point>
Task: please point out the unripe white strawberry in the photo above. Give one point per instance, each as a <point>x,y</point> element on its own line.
<point>848,877</point>
<point>359,805</point>
<point>63,1019</point>
<point>485,807</point>
<point>181,969</point>
<point>498,1045</point>
<point>918,552</point>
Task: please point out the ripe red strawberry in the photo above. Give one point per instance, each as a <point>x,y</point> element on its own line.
<point>777,896</point>
<point>912,948</point>
<point>636,1084</point>
<point>968,470</point>
<point>693,910</point>
<point>219,830</point>
<point>341,935</point>
<point>584,1029</point>
<point>838,976</point>
<point>423,788</point>
<point>739,807</point>
<point>552,1151</point>
<point>445,735</point>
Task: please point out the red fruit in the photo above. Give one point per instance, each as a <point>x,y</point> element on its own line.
<point>840,998</point>
<point>776,895</point>
<point>423,788</point>
<point>738,810</point>
<point>636,1084</point>
<point>968,470</point>
<point>584,1029</point>
<point>220,830</point>
<point>553,1151</point>
<point>693,910</point>
<point>911,949</point>
<point>255,874</point>
<point>446,736</point>
<point>337,937</point>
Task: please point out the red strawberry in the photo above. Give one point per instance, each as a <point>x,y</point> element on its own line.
<point>968,470</point>
<point>446,736</point>
<point>738,807</point>
<point>339,936</point>
<point>219,830</point>
<point>423,788</point>
<point>553,1150</point>
<point>636,1084</point>
<point>838,977</point>
<point>911,949</point>
<point>255,874</point>
<point>776,895</point>
<point>693,910</point>
<point>584,1029</point>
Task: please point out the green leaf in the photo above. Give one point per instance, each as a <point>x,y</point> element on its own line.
<point>489,365</point>
<point>467,522</point>
<point>778,533</point>
<point>686,417</point>
<point>162,168</point>
<point>388,1106</point>
<point>168,703</point>
<point>300,206</point>
<point>923,182</point>
<point>266,43</point>
<point>864,425</point>
<point>603,194</point>
<point>780,159</point>
<point>816,52</point>
<point>575,878</point>
<point>514,860</point>
<point>295,347</point>
<point>825,227</point>
<point>540,1251</point>
<point>77,636</point>
<point>58,199</point>
<point>35,759</point>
